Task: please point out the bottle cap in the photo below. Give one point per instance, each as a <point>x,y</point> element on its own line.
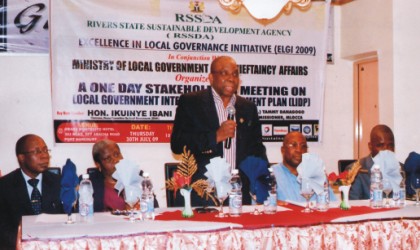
<point>235,171</point>
<point>85,176</point>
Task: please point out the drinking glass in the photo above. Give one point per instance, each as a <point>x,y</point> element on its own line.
<point>306,191</point>
<point>131,197</point>
<point>399,197</point>
<point>254,201</point>
<point>415,184</point>
<point>221,192</point>
<point>387,188</point>
<point>69,217</point>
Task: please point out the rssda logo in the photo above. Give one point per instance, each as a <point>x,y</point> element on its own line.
<point>196,6</point>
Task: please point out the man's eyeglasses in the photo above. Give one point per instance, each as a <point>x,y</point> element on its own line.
<point>296,145</point>
<point>225,73</point>
<point>38,151</point>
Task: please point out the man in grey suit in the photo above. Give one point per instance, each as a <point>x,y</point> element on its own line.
<point>381,138</point>
<point>203,125</point>
<point>28,190</point>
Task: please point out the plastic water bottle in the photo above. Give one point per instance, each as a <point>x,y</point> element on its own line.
<point>235,195</point>
<point>147,207</point>
<point>399,197</point>
<point>272,194</point>
<point>323,199</point>
<point>376,189</point>
<point>85,197</point>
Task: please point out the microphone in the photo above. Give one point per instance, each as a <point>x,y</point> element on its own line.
<point>231,114</point>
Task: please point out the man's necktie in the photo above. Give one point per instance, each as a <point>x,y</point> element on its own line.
<point>35,196</point>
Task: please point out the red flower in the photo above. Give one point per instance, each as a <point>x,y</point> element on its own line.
<point>181,180</point>
<point>343,175</point>
<point>332,177</point>
<point>337,179</point>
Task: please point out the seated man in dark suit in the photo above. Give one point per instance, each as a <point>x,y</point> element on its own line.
<point>28,190</point>
<point>381,138</point>
<point>202,124</point>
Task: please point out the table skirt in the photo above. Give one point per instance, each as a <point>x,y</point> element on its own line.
<point>385,234</point>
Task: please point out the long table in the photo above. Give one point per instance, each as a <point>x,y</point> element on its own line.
<point>359,228</point>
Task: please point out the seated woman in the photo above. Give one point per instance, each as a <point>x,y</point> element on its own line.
<point>106,154</point>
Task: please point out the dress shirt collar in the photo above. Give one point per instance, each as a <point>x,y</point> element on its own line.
<point>218,99</point>
<point>29,187</point>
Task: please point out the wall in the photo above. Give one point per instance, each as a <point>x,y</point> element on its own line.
<point>25,98</point>
<point>389,28</point>
<point>406,76</point>
<point>370,31</point>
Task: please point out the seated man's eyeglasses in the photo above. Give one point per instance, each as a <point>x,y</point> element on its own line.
<point>38,151</point>
<point>296,145</point>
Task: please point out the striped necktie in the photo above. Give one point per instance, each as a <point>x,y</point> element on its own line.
<point>35,196</point>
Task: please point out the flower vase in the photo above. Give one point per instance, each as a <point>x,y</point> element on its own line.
<point>345,205</point>
<point>187,212</point>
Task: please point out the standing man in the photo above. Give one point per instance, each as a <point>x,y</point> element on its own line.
<point>381,138</point>
<point>202,124</point>
<point>288,187</point>
<point>28,190</point>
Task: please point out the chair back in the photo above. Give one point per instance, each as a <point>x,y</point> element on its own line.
<point>342,164</point>
<point>172,200</point>
<point>55,170</point>
<point>91,170</point>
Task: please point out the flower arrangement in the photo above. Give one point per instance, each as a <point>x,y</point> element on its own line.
<point>344,180</point>
<point>182,178</point>
<point>338,180</point>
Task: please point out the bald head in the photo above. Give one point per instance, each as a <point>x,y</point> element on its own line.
<point>381,138</point>
<point>21,144</point>
<point>292,136</point>
<point>221,60</point>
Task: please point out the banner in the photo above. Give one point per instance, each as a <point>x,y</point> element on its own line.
<point>119,67</point>
<point>24,26</point>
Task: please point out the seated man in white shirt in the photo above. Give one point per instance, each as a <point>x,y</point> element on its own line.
<point>288,187</point>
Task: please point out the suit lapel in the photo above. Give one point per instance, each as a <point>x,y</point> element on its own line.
<point>22,195</point>
<point>241,117</point>
<point>241,121</point>
<point>46,185</point>
<point>49,200</point>
<point>209,109</point>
